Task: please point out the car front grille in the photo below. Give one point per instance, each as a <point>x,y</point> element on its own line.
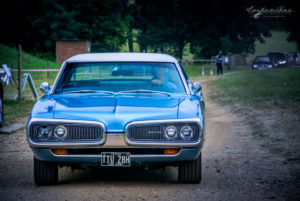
<point>76,132</point>
<point>146,133</point>
<point>84,132</point>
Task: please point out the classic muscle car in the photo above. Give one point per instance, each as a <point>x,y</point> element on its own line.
<point>118,109</point>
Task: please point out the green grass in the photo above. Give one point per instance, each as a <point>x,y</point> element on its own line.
<point>252,86</point>
<point>17,111</point>
<point>9,56</point>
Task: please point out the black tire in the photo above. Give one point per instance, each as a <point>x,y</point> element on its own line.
<point>45,173</point>
<point>190,171</point>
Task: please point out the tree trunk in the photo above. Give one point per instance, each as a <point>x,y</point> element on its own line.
<point>130,38</point>
<point>180,49</point>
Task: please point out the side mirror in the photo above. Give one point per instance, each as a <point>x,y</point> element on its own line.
<point>45,87</point>
<point>197,87</point>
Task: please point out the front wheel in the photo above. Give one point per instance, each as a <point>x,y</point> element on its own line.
<point>190,171</point>
<point>45,173</point>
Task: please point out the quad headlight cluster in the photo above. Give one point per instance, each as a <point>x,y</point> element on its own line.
<point>68,132</point>
<point>184,133</point>
<point>164,132</point>
<point>46,132</point>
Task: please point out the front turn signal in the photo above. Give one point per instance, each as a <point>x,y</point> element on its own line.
<point>171,151</point>
<point>60,151</point>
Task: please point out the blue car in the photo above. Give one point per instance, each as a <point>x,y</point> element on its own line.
<point>118,110</point>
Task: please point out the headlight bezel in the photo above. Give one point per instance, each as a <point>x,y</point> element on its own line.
<point>42,133</point>
<point>171,136</point>
<point>141,132</point>
<point>62,135</point>
<point>183,136</point>
<point>96,130</point>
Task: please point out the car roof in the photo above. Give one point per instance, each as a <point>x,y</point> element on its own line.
<point>108,57</point>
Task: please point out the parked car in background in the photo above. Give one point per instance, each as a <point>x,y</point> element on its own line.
<point>262,62</point>
<point>118,110</point>
<point>279,59</point>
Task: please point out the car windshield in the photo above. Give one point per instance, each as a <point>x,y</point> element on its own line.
<point>125,77</point>
<point>262,59</point>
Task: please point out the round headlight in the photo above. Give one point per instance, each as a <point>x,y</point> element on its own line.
<point>44,131</point>
<point>60,132</point>
<point>186,133</point>
<point>171,132</point>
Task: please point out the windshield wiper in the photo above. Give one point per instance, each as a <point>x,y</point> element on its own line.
<point>145,91</point>
<point>89,91</point>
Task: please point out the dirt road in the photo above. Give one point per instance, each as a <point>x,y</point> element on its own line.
<point>235,167</point>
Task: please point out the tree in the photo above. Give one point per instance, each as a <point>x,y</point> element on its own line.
<point>105,23</point>
<point>162,26</point>
<point>37,24</point>
<point>291,22</point>
<point>208,26</point>
<point>226,25</point>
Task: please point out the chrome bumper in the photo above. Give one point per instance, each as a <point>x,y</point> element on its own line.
<point>185,154</point>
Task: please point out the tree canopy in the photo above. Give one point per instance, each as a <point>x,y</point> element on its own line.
<point>162,26</point>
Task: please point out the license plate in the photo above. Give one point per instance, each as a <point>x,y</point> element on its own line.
<point>119,159</point>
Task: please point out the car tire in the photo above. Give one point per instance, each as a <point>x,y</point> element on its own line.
<point>190,171</point>
<point>45,173</point>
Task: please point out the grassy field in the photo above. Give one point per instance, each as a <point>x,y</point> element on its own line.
<point>9,56</point>
<point>252,86</point>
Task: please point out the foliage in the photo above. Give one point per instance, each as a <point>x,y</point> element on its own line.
<point>41,23</point>
<point>162,26</point>
<point>291,22</point>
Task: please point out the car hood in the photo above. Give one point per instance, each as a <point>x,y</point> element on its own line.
<point>116,111</point>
